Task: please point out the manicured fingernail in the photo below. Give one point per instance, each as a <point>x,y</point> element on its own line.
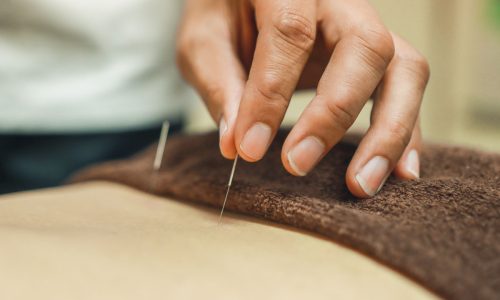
<point>222,128</point>
<point>304,156</point>
<point>256,141</point>
<point>413,163</point>
<point>373,175</point>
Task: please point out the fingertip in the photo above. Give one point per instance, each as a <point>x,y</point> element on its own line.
<point>285,158</point>
<point>301,155</point>
<point>355,186</point>
<point>226,140</point>
<point>227,151</point>
<point>402,173</point>
<point>290,166</point>
<point>286,153</point>
<point>365,179</point>
<point>408,167</point>
<point>255,142</point>
<point>246,157</point>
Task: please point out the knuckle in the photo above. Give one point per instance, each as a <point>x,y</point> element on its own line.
<point>180,57</point>
<point>271,93</point>
<point>295,29</point>
<point>417,64</point>
<point>212,94</point>
<point>213,97</point>
<point>399,133</point>
<point>422,65</point>
<point>377,44</point>
<point>341,114</point>
<point>183,44</point>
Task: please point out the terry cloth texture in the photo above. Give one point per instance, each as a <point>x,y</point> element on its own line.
<point>442,231</point>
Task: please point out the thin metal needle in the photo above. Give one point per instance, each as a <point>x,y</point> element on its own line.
<point>161,145</point>
<point>228,187</point>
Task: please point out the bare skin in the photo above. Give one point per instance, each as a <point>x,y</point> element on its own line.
<point>247,57</point>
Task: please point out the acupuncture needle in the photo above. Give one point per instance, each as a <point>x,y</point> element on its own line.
<point>228,187</point>
<point>161,146</point>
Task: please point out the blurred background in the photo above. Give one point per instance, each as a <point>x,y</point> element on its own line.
<point>461,39</point>
<point>90,81</point>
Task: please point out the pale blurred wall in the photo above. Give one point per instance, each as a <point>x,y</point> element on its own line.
<point>462,42</point>
<point>453,36</point>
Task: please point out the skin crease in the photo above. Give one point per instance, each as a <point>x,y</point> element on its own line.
<point>247,57</point>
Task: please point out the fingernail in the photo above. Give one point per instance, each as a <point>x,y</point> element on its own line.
<point>373,175</point>
<point>304,156</point>
<point>413,163</point>
<point>256,141</point>
<point>222,128</point>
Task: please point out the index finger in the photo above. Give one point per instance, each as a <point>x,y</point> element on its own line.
<point>287,30</point>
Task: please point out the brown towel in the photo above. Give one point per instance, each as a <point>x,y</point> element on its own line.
<point>442,231</point>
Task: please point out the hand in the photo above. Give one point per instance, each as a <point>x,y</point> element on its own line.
<point>247,57</point>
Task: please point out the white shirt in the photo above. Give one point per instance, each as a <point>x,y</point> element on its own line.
<point>93,65</point>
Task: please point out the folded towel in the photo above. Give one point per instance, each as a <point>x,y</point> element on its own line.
<point>442,231</point>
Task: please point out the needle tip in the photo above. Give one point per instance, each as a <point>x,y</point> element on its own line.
<point>228,188</point>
